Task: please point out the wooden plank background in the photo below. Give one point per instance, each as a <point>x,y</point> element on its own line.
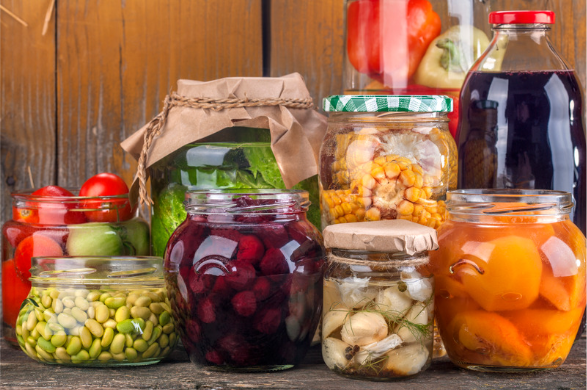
<point>103,68</point>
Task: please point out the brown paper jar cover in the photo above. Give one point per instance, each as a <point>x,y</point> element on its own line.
<point>296,134</point>
<point>381,236</point>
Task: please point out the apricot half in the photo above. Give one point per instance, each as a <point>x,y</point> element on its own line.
<point>501,274</point>
<point>491,336</point>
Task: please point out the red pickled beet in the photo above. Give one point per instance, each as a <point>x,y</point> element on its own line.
<point>214,357</point>
<point>35,245</point>
<point>237,347</point>
<point>268,321</point>
<point>241,276</point>
<point>298,231</point>
<point>221,287</point>
<point>262,288</point>
<point>14,291</point>
<point>250,249</point>
<point>244,303</point>
<point>230,234</point>
<point>206,311</point>
<point>274,263</point>
<point>193,329</point>
<point>273,235</point>
<point>197,283</point>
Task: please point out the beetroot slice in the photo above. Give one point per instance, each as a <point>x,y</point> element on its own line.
<point>274,263</point>
<point>250,249</point>
<point>261,288</point>
<point>244,303</point>
<point>241,275</point>
<point>206,311</point>
<point>268,321</point>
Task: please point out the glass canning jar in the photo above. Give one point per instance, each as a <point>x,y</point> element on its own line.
<point>510,279</point>
<point>245,275</point>
<point>97,311</point>
<point>386,157</point>
<point>378,312</point>
<point>62,226</point>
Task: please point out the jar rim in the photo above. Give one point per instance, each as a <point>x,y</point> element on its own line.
<point>518,202</point>
<point>102,270</point>
<point>264,201</point>
<point>28,196</point>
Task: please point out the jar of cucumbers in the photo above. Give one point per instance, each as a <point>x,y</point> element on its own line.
<point>97,311</point>
<point>378,306</point>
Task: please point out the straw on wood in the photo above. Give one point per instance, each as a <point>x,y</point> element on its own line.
<point>156,125</point>
<point>19,20</point>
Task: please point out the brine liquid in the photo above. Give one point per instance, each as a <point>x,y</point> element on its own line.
<point>523,130</point>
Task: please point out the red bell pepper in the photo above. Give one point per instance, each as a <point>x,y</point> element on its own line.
<point>386,39</point>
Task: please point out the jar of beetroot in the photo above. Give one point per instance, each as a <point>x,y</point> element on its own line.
<point>244,273</point>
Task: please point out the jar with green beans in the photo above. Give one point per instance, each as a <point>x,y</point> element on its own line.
<point>97,311</point>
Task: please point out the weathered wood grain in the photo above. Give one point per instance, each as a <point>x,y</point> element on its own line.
<point>27,100</point>
<point>176,372</point>
<point>307,37</point>
<point>118,59</point>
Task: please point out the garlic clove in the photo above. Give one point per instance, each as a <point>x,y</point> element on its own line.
<point>292,326</point>
<point>375,350</point>
<point>364,328</point>
<point>408,360</point>
<point>333,353</point>
<point>417,315</point>
<point>355,292</point>
<point>419,287</point>
<point>333,320</point>
<point>393,300</point>
<point>332,296</point>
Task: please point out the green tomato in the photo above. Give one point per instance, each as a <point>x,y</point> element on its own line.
<point>135,237</point>
<point>93,239</point>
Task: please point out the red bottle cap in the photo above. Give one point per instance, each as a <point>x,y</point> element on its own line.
<point>521,17</point>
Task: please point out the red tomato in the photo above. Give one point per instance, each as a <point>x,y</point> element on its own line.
<point>14,291</point>
<point>106,184</point>
<point>55,210</point>
<point>32,246</point>
<point>25,215</point>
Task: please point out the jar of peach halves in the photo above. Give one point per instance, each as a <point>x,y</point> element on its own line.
<point>510,279</point>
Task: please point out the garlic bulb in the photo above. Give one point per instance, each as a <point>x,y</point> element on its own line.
<point>393,300</point>
<point>407,360</point>
<point>333,353</point>
<point>375,350</point>
<point>333,320</point>
<point>364,328</point>
<point>418,315</point>
<point>355,292</point>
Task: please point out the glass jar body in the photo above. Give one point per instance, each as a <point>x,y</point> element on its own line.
<point>521,119</point>
<point>510,284</point>
<point>377,166</point>
<point>378,314</point>
<point>57,226</point>
<point>116,314</point>
<point>235,158</point>
<point>246,286</point>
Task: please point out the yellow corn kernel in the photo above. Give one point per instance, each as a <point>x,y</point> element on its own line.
<point>354,206</point>
<point>432,209</point>
<point>339,211</point>
<point>379,160</point>
<point>360,214</point>
<point>337,166</point>
<point>418,208</point>
<point>412,194</point>
<point>417,168</point>
<point>336,199</point>
<point>330,203</point>
<point>415,219</point>
<point>373,214</point>
<point>403,163</point>
<point>427,180</point>
<point>418,181</point>
<point>351,218</point>
<point>428,191</point>
<point>406,217</point>
<point>391,157</point>
<point>407,178</point>
<point>405,208</point>
<point>342,177</point>
<point>378,173</point>
<point>392,170</point>
<point>346,207</point>
<point>368,182</point>
<point>342,220</point>
<point>365,202</point>
<point>336,221</point>
<point>332,214</point>
<point>431,223</point>
<point>426,202</point>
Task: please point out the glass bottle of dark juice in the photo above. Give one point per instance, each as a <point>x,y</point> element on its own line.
<point>521,114</point>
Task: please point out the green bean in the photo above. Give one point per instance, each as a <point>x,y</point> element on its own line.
<point>86,337</point>
<point>168,328</point>
<point>81,293</point>
<point>164,318</point>
<point>35,333</point>
<point>46,345</point>
<point>43,330</point>
<point>156,333</point>
<point>148,332</point>
<point>104,296</point>
<point>102,313</point>
<point>75,345</point>
<point>81,356</point>
<point>122,313</point>
<point>165,307</point>
<point>140,345</point>
<point>110,324</point>
<point>150,352</point>
<point>105,356</point>
<point>163,340</point>
<point>154,319</point>
<point>49,316</point>
<point>131,354</point>
<point>82,303</point>
<point>92,312</point>
<point>75,331</point>
<point>68,302</point>
<point>24,331</point>
<point>128,340</point>
<point>156,308</point>
<point>119,356</point>
<point>111,312</point>
<point>46,300</point>
<point>172,339</point>
<point>125,326</point>
<point>66,320</point>
<point>115,302</point>
<point>39,314</point>
<point>95,327</point>
<point>107,338</point>
<point>31,320</point>
<point>117,344</point>
<point>96,348</point>
<point>93,296</point>
<point>30,349</point>
<point>59,339</point>
<point>79,314</point>
<point>165,352</point>
<point>61,354</point>
<point>54,294</point>
<point>42,353</point>
<point>143,301</point>
<point>57,305</point>
<point>140,312</point>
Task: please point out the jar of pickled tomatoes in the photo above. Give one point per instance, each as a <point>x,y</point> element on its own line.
<point>244,274</point>
<point>386,157</point>
<point>510,279</point>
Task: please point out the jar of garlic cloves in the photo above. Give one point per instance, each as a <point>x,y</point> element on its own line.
<point>378,306</point>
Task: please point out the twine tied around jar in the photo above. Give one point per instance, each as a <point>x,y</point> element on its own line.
<point>411,262</point>
<point>155,126</point>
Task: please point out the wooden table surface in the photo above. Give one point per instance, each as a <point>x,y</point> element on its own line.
<point>176,372</point>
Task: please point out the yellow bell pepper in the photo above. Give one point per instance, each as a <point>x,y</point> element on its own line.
<point>449,57</point>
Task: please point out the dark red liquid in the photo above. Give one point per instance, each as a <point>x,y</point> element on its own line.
<point>523,130</point>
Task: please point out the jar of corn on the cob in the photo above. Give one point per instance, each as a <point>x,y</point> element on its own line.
<point>387,157</point>
<point>378,307</point>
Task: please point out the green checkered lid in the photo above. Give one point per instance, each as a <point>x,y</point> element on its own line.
<point>388,103</point>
